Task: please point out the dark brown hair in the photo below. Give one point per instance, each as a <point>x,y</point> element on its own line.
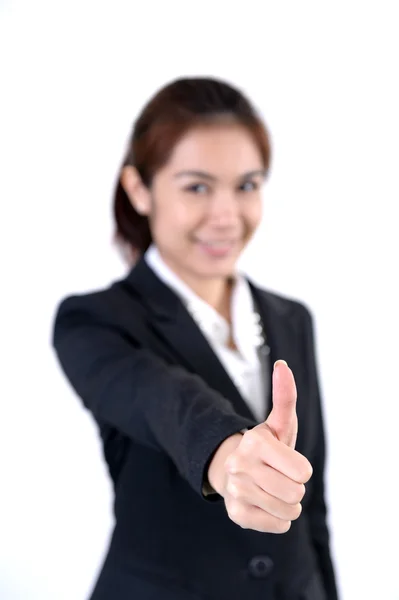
<point>177,107</point>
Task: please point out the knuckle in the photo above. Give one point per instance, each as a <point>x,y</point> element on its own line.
<point>297,493</point>
<point>307,472</point>
<point>235,511</point>
<point>232,464</point>
<point>304,469</point>
<point>235,489</point>
<point>282,526</point>
<point>296,512</point>
<point>251,440</point>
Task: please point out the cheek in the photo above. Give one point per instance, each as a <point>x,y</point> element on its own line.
<point>253,215</point>
<point>175,219</point>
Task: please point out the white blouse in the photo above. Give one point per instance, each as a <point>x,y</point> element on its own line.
<point>244,365</point>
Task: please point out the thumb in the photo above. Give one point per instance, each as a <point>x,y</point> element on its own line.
<point>283,418</point>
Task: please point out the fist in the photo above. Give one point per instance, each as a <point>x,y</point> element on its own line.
<point>263,477</point>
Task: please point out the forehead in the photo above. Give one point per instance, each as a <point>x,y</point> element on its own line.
<point>217,148</point>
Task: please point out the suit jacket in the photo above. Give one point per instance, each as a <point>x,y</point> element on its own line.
<point>163,403</point>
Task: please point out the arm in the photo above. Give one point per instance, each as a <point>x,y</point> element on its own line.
<point>317,510</point>
<point>131,389</point>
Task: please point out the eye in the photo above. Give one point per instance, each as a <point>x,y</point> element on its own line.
<point>249,186</point>
<point>197,188</point>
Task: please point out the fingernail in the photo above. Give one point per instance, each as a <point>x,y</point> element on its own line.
<point>280,362</point>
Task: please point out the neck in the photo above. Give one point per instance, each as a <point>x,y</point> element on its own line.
<point>215,291</point>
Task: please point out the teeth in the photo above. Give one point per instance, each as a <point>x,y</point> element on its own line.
<point>217,244</point>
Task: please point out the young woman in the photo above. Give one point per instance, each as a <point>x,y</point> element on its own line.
<point>208,438</point>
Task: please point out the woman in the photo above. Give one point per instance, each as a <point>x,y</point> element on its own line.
<point>178,364</point>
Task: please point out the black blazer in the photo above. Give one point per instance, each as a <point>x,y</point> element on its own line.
<point>163,403</point>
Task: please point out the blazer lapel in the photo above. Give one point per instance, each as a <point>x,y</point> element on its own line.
<point>283,333</point>
<point>173,323</point>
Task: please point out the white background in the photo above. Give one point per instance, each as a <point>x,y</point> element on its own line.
<point>73,77</point>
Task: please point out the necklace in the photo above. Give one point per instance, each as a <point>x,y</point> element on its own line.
<point>259,335</point>
<point>256,330</point>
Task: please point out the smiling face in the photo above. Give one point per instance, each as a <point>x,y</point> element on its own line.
<point>205,204</point>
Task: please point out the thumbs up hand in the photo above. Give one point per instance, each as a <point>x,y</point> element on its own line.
<point>259,474</point>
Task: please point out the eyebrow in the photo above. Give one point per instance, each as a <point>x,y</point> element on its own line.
<point>209,177</point>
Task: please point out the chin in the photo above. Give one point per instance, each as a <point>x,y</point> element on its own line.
<point>224,269</point>
<point>208,264</point>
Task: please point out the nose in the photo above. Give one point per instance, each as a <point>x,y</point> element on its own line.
<point>223,209</point>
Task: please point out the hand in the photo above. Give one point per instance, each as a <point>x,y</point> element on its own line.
<point>259,474</point>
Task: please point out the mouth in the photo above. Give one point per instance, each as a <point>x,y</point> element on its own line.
<point>217,248</point>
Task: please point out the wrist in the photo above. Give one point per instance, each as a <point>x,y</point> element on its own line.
<point>216,471</point>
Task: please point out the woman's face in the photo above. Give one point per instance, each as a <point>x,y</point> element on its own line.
<point>205,204</point>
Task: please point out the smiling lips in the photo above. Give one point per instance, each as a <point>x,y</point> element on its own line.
<point>217,248</point>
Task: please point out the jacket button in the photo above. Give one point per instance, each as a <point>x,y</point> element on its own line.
<point>260,566</point>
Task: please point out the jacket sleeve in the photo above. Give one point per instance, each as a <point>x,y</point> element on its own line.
<point>131,389</point>
<point>317,509</point>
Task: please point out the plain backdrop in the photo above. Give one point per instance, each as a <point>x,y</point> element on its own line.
<point>73,77</point>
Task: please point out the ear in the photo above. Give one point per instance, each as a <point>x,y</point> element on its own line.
<point>135,189</point>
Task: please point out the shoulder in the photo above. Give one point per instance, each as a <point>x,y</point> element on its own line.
<point>102,304</point>
<point>281,303</point>
<point>288,310</point>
